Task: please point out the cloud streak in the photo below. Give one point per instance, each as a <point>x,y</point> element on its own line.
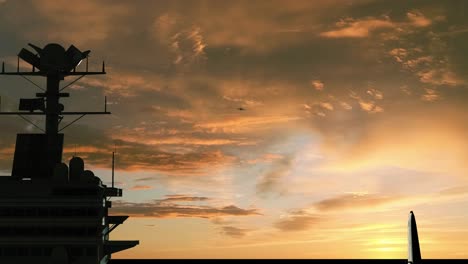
<point>183,198</point>
<point>298,221</point>
<point>351,28</point>
<point>352,201</point>
<point>141,187</point>
<point>162,210</point>
<point>234,232</point>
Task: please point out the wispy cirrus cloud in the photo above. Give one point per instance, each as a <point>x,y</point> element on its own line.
<point>183,39</point>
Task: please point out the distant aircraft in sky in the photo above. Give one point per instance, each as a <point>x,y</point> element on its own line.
<point>241,109</point>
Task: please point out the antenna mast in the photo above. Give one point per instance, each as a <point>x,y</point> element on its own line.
<point>55,63</point>
<point>113,158</point>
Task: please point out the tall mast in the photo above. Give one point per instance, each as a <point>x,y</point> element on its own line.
<point>52,112</point>
<point>73,197</point>
<point>55,63</point>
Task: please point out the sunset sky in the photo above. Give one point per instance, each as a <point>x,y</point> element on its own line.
<point>355,114</point>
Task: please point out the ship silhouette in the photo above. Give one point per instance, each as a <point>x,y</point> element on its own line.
<point>51,212</point>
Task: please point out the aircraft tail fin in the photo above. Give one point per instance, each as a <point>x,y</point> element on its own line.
<point>414,252</point>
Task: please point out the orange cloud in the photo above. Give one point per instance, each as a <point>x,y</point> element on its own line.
<point>246,102</point>
<point>418,19</point>
<point>269,157</point>
<point>182,38</point>
<point>173,164</point>
<point>350,201</point>
<point>7,150</point>
<point>124,83</point>
<point>161,210</point>
<point>298,221</point>
<point>430,65</point>
<point>318,85</point>
<point>235,232</point>
<point>72,23</point>
<point>326,105</point>
<point>242,124</point>
<point>441,76</point>
<point>376,94</point>
<point>370,106</point>
<point>257,29</point>
<point>141,187</point>
<point>85,149</point>
<point>182,198</point>
<point>362,28</point>
<point>346,106</point>
<point>182,140</point>
<point>350,28</point>
<point>431,95</point>
<point>399,54</point>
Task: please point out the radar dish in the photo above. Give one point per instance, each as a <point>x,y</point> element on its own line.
<point>53,58</point>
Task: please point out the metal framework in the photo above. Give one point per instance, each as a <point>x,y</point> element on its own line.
<point>43,188</point>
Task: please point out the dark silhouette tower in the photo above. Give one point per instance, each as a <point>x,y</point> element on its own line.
<point>49,212</point>
<point>414,252</point>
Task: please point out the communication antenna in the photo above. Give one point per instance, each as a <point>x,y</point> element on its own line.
<point>113,163</point>
<point>55,63</point>
<point>38,159</point>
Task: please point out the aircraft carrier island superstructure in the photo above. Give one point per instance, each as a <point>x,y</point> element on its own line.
<point>51,211</point>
